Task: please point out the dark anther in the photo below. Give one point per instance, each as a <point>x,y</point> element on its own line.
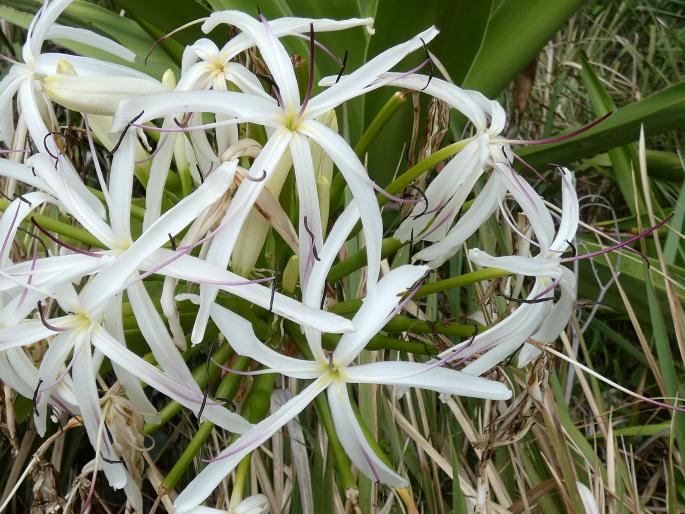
<point>511,357</point>
<point>35,394</point>
<point>44,320</point>
<point>273,288</point>
<point>573,247</point>
<point>33,170</point>
<point>111,461</point>
<point>45,144</point>
<point>411,242</point>
<point>323,296</point>
<point>311,235</point>
<point>273,85</point>
<point>123,132</point>
<point>522,300</point>
<point>230,404</point>
<point>37,238</point>
<point>110,437</point>
<point>172,240</point>
<point>342,67</point>
<point>206,391</point>
<point>21,197</point>
<point>256,179</point>
<point>431,69</point>
<point>60,242</point>
<point>423,196</point>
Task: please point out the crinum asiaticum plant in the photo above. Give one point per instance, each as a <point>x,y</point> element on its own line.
<point>213,186</point>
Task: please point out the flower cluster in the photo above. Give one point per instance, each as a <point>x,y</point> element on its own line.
<point>83,253</point>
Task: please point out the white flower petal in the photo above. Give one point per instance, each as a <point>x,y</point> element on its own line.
<point>361,186</point>
<point>222,245</point>
<point>374,312</point>
<point>310,230</point>
<point>89,403</point>
<point>114,324</point>
<point>358,81</point>
<point>60,183</point>
<point>92,39</point>
<point>354,441</point>
<point>121,188</point>
<point>274,54</point>
<point>25,333</point>
<point>240,335</point>
<point>111,279</point>
<point>193,269</point>
<point>529,266</point>
<point>487,202</point>
<point>210,477</point>
<point>183,393</point>
<point>416,374</point>
<point>240,105</point>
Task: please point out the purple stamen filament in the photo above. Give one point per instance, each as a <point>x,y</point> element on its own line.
<point>310,83</point>
<point>63,243</point>
<point>619,245</point>
<point>45,322</point>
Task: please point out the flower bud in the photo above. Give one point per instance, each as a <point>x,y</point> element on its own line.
<point>96,95</point>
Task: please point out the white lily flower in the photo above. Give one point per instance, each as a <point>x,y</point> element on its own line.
<point>293,124</point>
<point>26,79</point>
<point>547,269</point>
<point>206,67</point>
<point>333,373</point>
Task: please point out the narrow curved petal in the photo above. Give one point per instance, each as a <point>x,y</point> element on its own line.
<point>240,105</point>
<point>310,230</point>
<point>314,291</point>
<point>531,204</point>
<point>274,54</point>
<point>121,188</point>
<point>283,27</point>
<point>374,312</point>
<point>111,279</point>
<point>487,202</point>
<point>557,319</point>
<point>181,392</point>
<point>22,173</point>
<point>89,402</point>
<point>361,186</point>
<point>210,477</point>
<point>26,333</point>
<point>354,441</point>
<point>240,335</point>
<point>71,198</point>
<point>193,269</point>
<point>92,39</point>
<point>223,244</point>
<point>456,97</point>
<point>570,213</point>
<point>114,324</point>
<point>529,266</point>
<point>358,81</point>
<point>424,376</point>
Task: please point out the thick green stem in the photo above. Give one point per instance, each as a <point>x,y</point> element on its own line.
<point>226,390</point>
<point>62,228</point>
<point>202,378</point>
<point>358,260</point>
<point>387,111</point>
